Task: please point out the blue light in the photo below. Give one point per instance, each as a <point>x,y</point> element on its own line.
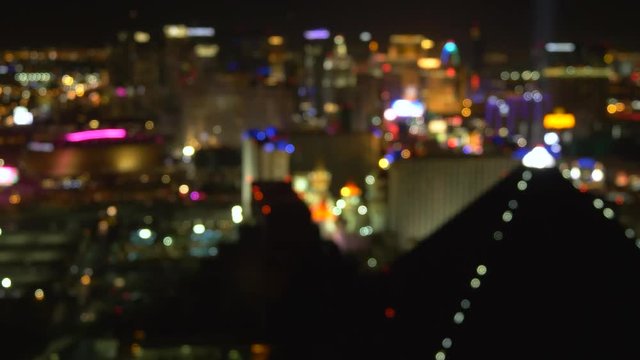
<point>264,71</point>
<point>520,153</point>
<point>450,47</point>
<point>281,145</point>
<point>290,149</point>
<point>271,132</point>
<point>390,158</point>
<point>467,149</point>
<point>586,163</point>
<point>269,147</point>
<point>261,136</point>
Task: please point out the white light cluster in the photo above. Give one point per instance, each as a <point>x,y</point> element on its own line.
<point>236,214</point>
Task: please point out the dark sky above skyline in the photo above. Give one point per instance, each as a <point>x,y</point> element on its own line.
<point>505,24</point>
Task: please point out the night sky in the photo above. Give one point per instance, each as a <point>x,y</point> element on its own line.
<point>505,24</point>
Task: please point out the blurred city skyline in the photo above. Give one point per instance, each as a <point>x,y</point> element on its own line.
<point>504,24</point>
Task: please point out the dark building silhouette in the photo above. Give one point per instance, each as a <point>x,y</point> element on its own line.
<point>533,269</point>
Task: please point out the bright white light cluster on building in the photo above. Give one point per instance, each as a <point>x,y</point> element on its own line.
<point>538,158</point>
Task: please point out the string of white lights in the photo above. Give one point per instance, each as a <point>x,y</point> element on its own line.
<point>481,269</point>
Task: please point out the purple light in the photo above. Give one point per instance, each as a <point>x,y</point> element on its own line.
<point>195,196</point>
<point>317,34</point>
<point>96,135</point>
<point>8,175</point>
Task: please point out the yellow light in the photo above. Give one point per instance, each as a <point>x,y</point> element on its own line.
<point>80,90</point>
<point>112,211</point>
<point>384,164</point>
<point>39,294</point>
<point>467,102</point>
<point>94,124</point>
<point>183,189</point>
<point>559,121</point>
<point>429,63</point>
<point>206,50</point>
<point>373,46</point>
<point>466,112</point>
<point>620,107</point>
<point>405,154</point>
<point>345,191</point>
<point>427,44</point>
<point>141,37</point>
<point>85,280</point>
<point>331,108</point>
<point>437,126</point>
<point>176,31</point>
<point>608,58</point>
<point>612,109</point>
<point>149,125</point>
<point>275,40</point>
<point>67,80</point>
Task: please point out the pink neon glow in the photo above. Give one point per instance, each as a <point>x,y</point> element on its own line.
<point>96,135</point>
<point>195,196</point>
<point>8,175</point>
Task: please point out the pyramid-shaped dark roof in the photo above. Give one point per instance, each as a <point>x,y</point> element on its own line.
<point>533,269</point>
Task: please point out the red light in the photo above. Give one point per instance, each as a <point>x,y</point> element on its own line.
<point>619,200</point>
<point>266,210</point>
<point>386,68</point>
<point>451,72</point>
<point>389,313</point>
<point>583,188</point>
<point>258,195</point>
<point>475,82</point>
<point>452,143</point>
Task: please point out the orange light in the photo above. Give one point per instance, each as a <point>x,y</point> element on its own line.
<point>85,280</point>
<point>466,112</point>
<point>15,199</point>
<point>259,349</point>
<point>320,212</point>
<point>266,210</point>
<point>612,108</point>
<point>275,40</point>
<point>405,154</point>
<point>373,46</point>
